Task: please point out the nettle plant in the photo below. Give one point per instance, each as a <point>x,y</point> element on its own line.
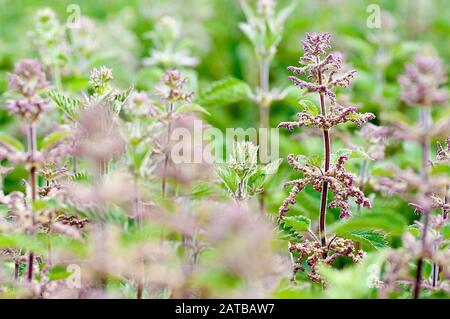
<point>264,28</point>
<point>31,211</point>
<point>242,175</point>
<point>427,189</point>
<point>322,71</point>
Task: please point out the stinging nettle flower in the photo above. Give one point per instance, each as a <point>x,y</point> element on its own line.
<point>323,74</point>
<point>28,78</point>
<point>27,81</point>
<point>421,83</point>
<point>338,178</point>
<point>173,87</point>
<point>100,78</point>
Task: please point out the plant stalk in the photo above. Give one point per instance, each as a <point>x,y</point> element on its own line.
<point>327,157</point>
<point>33,181</point>
<point>138,220</point>
<point>166,159</point>
<point>264,113</point>
<point>425,119</point>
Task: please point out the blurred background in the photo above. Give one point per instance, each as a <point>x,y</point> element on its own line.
<point>209,45</point>
<point>140,39</point>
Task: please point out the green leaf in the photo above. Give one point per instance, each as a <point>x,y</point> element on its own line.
<point>139,154</point>
<point>371,238</point>
<point>272,167</point>
<point>228,178</point>
<point>446,231</point>
<point>68,105</point>
<point>389,222</point>
<point>82,177</point>
<point>414,230</point>
<point>59,272</point>
<point>123,96</point>
<point>193,107</point>
<point>11,142</point>
<point>54,138</point>
<point>224,92</point>
<point>441,169</point>
<point>289,233</point>
<point>310,107</point>
<point>351,154</point>
<point>298,223</point>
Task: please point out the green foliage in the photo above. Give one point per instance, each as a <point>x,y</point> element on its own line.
<point>54,138</point>
<point>193,107</point>
<point>224,92</point>
<point>370,238</point>
<point>391,223</point>
<point>11,142</point>
<point>69,106</point>
<point>288,233</point>
<point>298,223</point>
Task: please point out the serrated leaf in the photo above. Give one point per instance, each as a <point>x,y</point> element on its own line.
<point>123,96</point>
<point>371,238</point>
<point>80,177</point>
<point>193,107</point>
<point>388,222</point>
<point>228,178</point>
<point>224,92</point>
<point>67,105</point>
<point>298,223</point>
<point>11,142</point>
<point>288,233</point>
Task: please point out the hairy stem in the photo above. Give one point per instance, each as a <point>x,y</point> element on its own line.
<point>33,181</point>
<point>166,159</point>
<point>425,119</point>
<point>327,156</point>
<point>138,220</point>
<point>264,112</point>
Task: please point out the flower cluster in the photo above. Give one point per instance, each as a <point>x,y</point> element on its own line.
<point>27,81</point>
<point>422,80</point>
<point>313,252</point>
<point>100,79</point>
<point>318,70</point>
<point>338,114</point>
<point>173,88</point>
<point>338,178</point>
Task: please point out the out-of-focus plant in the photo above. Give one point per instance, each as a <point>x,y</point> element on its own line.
<point>27,84</point>
<point>175,100</point>
<point>264,28</point>
<point>422,88</point>
<point>169,50</point>
<point>50,42</point>
<point>322,70</point>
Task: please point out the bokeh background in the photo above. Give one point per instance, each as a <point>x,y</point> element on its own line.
<point>124,37</point>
